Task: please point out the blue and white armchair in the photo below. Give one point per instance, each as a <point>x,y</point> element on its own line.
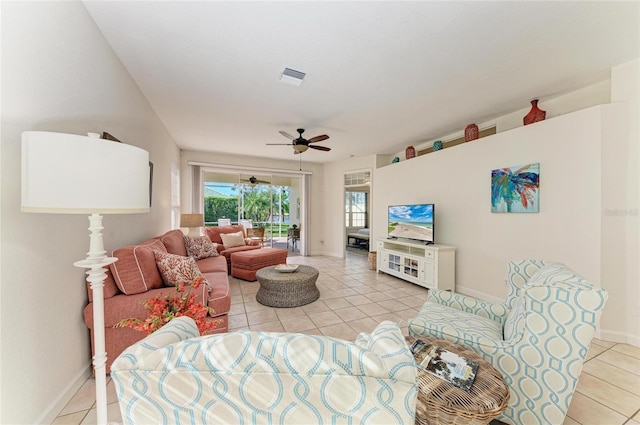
<point>537,338</point>
<point>175,376</point>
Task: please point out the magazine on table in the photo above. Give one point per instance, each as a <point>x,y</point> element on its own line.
<point>458,370</point>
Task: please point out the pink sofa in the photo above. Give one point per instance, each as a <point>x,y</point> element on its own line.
<point>214,234</point>
<point>134,278</point>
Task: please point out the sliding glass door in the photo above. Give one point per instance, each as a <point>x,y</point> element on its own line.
<point>255,200</point>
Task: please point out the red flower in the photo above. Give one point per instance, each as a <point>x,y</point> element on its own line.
<point>163,309</point>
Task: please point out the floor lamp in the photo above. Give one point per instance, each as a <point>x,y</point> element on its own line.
<point>71,174</point>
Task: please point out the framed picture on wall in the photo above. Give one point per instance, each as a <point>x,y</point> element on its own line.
<point>516,189</point>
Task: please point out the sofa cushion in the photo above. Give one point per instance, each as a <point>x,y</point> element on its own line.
<point>231,240</point>
<point>136,271</point>
<point>557,273</point>
<point>200,247</point>
<point>440,321</point>
<point>214,232</point>
<point>227,252</point>
<point>212,264</point>
<point>173,241</point>
<point>176,269</point>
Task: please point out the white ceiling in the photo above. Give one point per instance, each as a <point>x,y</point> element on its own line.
<point>380,75</point>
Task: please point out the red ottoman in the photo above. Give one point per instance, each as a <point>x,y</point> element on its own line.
<point>245,264</point>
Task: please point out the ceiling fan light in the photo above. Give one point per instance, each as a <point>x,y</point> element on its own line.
<point>300,148</point>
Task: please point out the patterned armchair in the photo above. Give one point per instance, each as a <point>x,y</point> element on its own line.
<point>537,338</point>
<point>176,377</point>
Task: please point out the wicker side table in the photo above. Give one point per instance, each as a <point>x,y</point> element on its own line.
<point>440,402</point>
<point>287,289</point>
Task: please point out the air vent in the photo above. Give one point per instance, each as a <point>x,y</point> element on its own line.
<point>291,76</point>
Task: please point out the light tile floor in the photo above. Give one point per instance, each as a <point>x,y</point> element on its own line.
<point>354,299</point>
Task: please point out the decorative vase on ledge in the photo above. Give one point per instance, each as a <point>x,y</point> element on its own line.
<point>437,145</point>
<point>535,114</point>
<point>410,152</point>
<point>471,132</point>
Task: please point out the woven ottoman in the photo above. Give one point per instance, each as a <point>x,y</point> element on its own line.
<point>440,402</point>
<point>245,264</point>
<point>279,289</point>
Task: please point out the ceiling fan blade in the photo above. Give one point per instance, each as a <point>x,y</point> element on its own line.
<point>287,135</point>
<point>278,144</point>
<point>318,138</point>
<point>320,148</point>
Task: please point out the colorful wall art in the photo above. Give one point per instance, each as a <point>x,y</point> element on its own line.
<point>515,189</point>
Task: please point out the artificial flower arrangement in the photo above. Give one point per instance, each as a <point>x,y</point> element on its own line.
<point>163,309</point>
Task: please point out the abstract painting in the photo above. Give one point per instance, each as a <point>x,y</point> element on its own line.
<point>515,189</point>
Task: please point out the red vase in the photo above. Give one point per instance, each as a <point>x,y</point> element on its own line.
<point>535,114</point>
<point>471,132</point>
<point>410,152</point>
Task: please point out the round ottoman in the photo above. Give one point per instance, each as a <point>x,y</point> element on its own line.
<point>278,289</point>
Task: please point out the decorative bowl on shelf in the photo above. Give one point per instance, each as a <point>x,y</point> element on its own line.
<point>286,268</point>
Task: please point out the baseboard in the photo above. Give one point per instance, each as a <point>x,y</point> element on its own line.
<point>615,336</point>
<point>477,294</point>
<point>51,412</point>
<point>327,254</point>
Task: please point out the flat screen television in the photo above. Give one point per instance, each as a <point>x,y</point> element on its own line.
<point>415,222</point>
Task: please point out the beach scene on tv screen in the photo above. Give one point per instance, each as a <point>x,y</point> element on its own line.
<point>411,222</point>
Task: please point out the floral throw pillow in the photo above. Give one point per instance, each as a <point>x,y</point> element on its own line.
<point>229,240</point>
<point>200,247</point>
<point>176,269</point>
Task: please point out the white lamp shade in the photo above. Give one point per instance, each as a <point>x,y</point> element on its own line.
<point>71,174</point>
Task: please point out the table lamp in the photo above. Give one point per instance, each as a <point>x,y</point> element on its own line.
<point>71,174</point>
<point>192,221</point>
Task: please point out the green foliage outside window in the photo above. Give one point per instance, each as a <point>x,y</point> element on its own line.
<point>215,208</point>
<point>256,206</point>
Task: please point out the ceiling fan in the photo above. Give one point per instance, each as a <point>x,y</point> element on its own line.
<point>300,144</point>
<point>254,180</point>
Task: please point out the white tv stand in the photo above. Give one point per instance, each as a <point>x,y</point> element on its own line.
<point>430,266</point>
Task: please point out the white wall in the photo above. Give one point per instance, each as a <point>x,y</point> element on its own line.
<point>59,74</point>
<point>458,181</point>
<point>624,215</point>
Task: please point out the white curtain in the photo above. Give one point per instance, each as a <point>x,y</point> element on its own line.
<point>305,214</point>
<point>197,199</point>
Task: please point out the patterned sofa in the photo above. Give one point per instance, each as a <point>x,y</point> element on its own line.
<point>176,377</point>
<point>537,338</point>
